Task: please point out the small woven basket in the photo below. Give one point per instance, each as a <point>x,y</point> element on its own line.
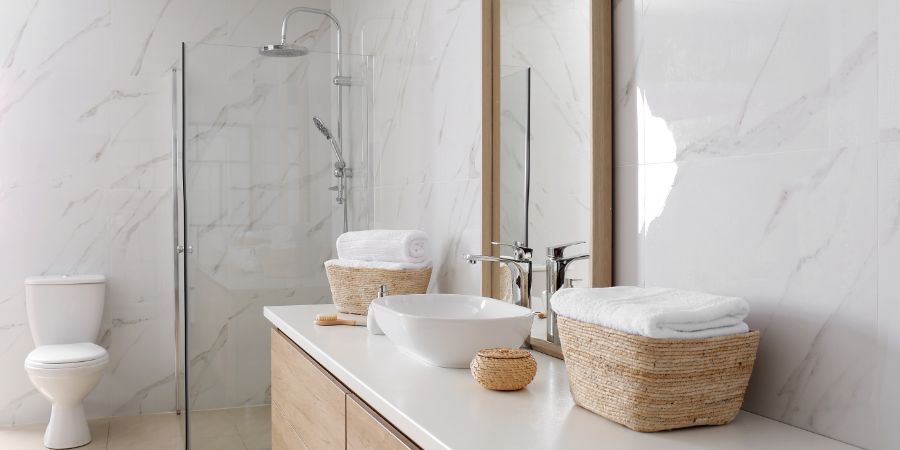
<point>353,288</point>
<point>652,384</point>
<point>503,369</point>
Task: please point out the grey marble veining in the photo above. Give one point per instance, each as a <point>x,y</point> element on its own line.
<point>755,157</point>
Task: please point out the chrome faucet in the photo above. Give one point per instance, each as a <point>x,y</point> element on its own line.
<point>557,264</point>
<point>519,266</point>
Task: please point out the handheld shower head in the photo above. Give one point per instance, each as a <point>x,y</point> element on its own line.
<point>334,145</point>
<point>322,128</point>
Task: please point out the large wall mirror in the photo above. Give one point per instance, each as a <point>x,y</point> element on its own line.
<point>548,155</point>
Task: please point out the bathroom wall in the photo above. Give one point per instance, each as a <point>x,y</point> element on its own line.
<point>85,174</point>
<point>426,123</point>
<point>553,38</point>
<point>758,154</point>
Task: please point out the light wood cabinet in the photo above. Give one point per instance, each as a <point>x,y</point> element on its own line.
<point>366,429</point>
<point>308,399</point>
<point>311,409</point>
<point>283,436</point>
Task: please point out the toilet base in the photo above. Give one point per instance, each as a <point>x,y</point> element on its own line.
<point>68,427</point>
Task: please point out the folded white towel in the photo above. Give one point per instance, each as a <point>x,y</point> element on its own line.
<point>398,246</point>
<point>654,312</point>
<point>376,264</point>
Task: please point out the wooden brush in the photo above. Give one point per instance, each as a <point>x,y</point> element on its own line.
<point>332,319</point>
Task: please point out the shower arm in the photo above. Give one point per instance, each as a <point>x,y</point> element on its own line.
<point>323,12</point>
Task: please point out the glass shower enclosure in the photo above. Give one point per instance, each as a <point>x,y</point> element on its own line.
<point>259,214</point>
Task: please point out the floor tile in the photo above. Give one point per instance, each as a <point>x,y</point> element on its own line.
<point>149,432</point>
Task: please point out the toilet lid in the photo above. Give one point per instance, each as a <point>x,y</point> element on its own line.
<point>67,353</point>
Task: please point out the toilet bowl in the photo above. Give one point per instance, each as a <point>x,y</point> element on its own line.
<point>64,314</point>
<point>66,374</point>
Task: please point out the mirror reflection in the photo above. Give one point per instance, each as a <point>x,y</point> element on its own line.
<point>545,142</point>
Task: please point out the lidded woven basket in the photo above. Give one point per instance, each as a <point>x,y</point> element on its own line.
<point>354,288</point>
<point>650,384</point>
<point>503,369</point>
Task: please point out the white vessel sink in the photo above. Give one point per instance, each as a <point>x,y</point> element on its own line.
<point>448,330</point>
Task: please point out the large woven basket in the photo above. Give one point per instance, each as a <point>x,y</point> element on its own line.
<point>352,288</point>
<point>651,384</point>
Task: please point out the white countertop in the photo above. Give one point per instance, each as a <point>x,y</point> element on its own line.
<point>446,408</point>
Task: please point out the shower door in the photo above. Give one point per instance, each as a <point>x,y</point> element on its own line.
<point>259,218</point>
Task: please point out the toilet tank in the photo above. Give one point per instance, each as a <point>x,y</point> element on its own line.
<point>64,309</point>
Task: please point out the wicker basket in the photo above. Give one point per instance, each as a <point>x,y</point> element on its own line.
<point>352,288</point>
<point>503,369</point>
<point>651,384</point>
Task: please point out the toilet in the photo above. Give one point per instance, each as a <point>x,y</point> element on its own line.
<point>64,314</point>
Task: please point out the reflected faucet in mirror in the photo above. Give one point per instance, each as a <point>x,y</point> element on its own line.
<point>557,264</point>
<point>519,266</point>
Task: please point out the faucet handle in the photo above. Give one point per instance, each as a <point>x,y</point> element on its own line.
<point>556,251</point>
<point>520,251</point>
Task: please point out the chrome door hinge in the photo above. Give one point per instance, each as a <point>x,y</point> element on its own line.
<point>183,249</point>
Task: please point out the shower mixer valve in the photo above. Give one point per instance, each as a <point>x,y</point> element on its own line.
<point>341,173</point>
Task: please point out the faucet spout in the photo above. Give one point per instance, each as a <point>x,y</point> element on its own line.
<point>521,291</point>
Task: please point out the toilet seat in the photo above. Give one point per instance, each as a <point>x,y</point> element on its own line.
<point>67,356</point>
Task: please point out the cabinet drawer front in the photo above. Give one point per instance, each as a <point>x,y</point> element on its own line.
<point>283,436</point>
<point>311,400</point>
<point>366,429</point>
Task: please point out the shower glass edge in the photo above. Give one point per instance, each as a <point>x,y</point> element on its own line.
<point>255,216</point>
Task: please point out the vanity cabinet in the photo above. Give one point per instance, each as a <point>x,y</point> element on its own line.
<point>366,429</point>
<point>313,410</point>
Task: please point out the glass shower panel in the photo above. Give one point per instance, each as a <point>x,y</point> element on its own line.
<point>260,218</point>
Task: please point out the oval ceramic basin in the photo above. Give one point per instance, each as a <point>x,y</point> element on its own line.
<point>448,330</point>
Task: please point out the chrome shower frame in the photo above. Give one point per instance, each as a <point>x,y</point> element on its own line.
<point>340,81</point>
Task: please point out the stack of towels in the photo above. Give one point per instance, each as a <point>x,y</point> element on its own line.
<point>382,249</point>
<point>654,312</point>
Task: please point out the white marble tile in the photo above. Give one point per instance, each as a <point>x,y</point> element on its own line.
<point>888,293</point>
<point>757,77</point>
<point>450,214</point>
<point>627,15</point>
<point>424,130</point>
<point>888,70</point>
<point>792,233</point>
<point>50,35</point>
<point>628,232</point>
<point>757,132</point>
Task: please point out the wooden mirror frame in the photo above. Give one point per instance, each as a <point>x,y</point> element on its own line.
<point>601,141</point>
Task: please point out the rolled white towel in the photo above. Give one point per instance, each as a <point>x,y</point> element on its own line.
<point>655,312</point>
<point>357,264</point>
<point>396,246</point>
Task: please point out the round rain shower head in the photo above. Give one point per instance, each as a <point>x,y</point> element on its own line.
<point>283,50</point>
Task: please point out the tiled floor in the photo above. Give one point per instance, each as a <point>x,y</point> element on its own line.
<point>222,429</point>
